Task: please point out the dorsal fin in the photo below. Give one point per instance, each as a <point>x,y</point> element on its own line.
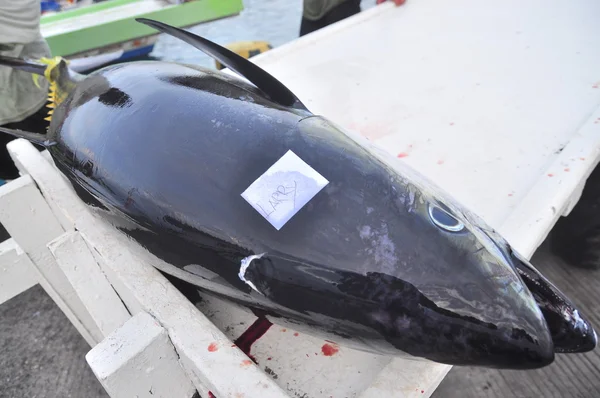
<point>260,78</point>
<point>35,138</point>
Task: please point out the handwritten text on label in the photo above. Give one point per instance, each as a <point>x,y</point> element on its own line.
<point>284,189</point>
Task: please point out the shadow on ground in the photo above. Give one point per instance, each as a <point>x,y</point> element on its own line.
<point>41,353</point>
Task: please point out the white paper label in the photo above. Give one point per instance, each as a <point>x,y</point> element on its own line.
<point>284,189</point>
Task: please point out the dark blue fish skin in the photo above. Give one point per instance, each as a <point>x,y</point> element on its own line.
<point>571,332</point>
<point>169,149</point>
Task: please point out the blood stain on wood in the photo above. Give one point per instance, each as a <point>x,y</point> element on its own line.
<point>251,335</point>
<point>329,350</point>
<point>212,347</point>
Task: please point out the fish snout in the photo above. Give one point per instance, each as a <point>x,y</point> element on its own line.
<point>486,319</point>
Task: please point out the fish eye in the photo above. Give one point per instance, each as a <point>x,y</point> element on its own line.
<point>444,219</point>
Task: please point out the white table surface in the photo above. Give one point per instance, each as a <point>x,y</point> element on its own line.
<point>497,102</point>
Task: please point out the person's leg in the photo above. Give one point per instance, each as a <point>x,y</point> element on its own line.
<point>307,26</point>
<point>342,11</point>
<point>339,12</point>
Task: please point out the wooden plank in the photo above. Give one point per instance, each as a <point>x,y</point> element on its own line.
<point>16,271</point>
<point>138,360</point>
<point>296,359</point>
<point>21,207</point>
<point>395,379</point>
<point>557,192</point>
<point>190,331</point>
<point>81,269</point>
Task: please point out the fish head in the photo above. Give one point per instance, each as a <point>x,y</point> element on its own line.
<point>472,301</point>
<point>437,284</point>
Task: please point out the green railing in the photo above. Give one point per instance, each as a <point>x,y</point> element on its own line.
<point>114,31</point>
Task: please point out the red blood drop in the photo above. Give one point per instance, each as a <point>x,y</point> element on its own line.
<point>211,395</point>
<point>246,362</point>
<point>550,175</point>
<point>329,350</point>
<point>296,334</point>
<point>402,154</point>
<point>212,347</point>
<point>268,359</point>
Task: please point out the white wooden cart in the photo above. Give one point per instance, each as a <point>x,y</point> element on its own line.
<point>497,103</point>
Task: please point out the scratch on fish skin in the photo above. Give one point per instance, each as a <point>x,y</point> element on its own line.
<point>478,250</point>
<point>245,263</point>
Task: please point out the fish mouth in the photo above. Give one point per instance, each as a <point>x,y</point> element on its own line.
<point>515,336</point>
<point>571,332</point>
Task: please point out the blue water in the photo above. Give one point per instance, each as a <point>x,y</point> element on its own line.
<point>274,21</point>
